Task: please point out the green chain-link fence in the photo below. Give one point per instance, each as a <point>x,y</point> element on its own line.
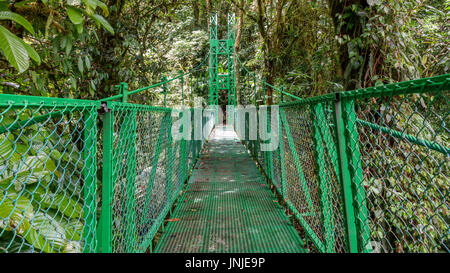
<point>362,171</point>
<point>58,194</point>
<point>366,170</point>
<point>48,174</point>
<point>144,170</point>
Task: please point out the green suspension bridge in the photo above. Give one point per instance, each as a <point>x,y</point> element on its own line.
<point>357,171</point>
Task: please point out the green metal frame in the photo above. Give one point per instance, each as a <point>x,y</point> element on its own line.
<point>221,81</point>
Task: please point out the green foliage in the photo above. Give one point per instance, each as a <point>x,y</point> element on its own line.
<point>59,28</point>
<point>16,51</point>
<point>41,205</point>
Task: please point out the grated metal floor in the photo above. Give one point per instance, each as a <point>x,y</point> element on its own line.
<point>228,207</point>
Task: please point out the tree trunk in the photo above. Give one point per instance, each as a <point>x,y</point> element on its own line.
<point>196,10</point>
<point>352,26</point>
<point>237,46</point>
<point>208,11</point>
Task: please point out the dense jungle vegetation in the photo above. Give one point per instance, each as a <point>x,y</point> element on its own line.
<point>82,48</point>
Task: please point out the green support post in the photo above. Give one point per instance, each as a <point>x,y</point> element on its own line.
<point>269,153</point>
<point>90,180</point>
<point>164,87</point>
<point>107,187</point>
<point>191,92</point>
<point>324,185</point>
<point>264,90</point>
<point>254,80</point>
<point>130,188</point>
<point>170,156</point>
<point>346,180</point>
<point>356,174</point>
<point>183,153</point>
<point>182,87</point>
<point>124,91</point>
<point>282,162</point>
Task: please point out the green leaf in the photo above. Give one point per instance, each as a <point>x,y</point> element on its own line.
<point>32,53</point>
<point>4,5</point>
<point>80,65</point>
<point>87,62</point>
<point>30,170</point>
<point>75,15</point>
<point>101,20</point>
<point>15,211</point>
<point>14,50</point>
<point>79,28</point>
<point>69,44</point>
<point>67,205</point>
<point>102,6</point>
<point>8,15</point>
<point>49,235</point>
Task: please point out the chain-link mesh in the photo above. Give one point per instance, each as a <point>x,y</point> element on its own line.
<point>401,180</point>
<point>48,174</point>
<point>367,170</point>
<point>362,171</point>
<point>149,169</point>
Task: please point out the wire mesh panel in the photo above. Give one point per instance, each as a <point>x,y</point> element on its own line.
<point>367,170</point>
<point>48,174</point>
<point>311,173</point>
<point>401,171</point>
<point>144,172</point>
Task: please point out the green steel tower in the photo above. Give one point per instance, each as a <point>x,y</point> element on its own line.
<point>221,70</point>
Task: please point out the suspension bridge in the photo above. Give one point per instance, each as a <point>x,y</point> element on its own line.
<point>356,171</point>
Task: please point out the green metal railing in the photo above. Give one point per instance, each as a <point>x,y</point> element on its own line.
<point>144,170</point>
<point>361,171</point>
<point>73,180</point>
<point>366,170</point>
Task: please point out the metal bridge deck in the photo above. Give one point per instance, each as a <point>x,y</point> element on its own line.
<point>227,206</point>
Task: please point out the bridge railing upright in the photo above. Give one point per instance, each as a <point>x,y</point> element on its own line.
<point>366,170</point>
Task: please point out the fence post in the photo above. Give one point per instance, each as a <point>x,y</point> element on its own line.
<point>124,91</point>
<point>254,81</point>
<point>356,174</point>
<point>107,180</point>
<point>324,186</point>
<point>164,87</point>
<point>182,87</point>
<point>130,188</point>
<point>183,152</point>
<point>269,153</point>
<point>352,237</point>
<point>90,180</point>
<point>170,156</point>
<point>282,162</point>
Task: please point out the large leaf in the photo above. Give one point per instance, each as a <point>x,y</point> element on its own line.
<point>67,205</point>
<point>14,50</point>
<point>15,213</point>
<point>46,233</point>
<point>31,170</point>
<point>102,6</point>
<point>58,201</point>
<point>73,247</point>
<point>91,5</point>
<point>101,20</point>
<point>75,15</point>
<point>32,53</point>
<point>8,15</point>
